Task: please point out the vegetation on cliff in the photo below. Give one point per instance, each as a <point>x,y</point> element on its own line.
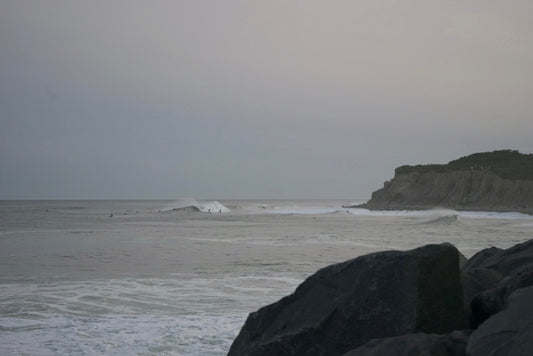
<point>508,164</point>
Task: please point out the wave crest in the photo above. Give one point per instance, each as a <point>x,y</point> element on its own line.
<point>452,219</point>
<point>192,205</point>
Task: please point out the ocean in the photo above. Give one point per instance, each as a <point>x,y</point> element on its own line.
<point>180,277</point>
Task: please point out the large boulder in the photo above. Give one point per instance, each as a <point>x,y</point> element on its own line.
<point>345,305</point>
<point>509,332</point>
<point>491,275</point>
<point>453,344</point>
<point>508,262</point>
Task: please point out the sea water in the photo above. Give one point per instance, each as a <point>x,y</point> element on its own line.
<point>180,277</point>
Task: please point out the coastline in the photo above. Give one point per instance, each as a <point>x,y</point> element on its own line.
<point>414,207</point>
<point>498,181</point>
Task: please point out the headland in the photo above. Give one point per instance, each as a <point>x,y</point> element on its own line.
<point>499,181</point>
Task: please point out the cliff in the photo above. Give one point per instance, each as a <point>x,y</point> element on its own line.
<point>491,181</point>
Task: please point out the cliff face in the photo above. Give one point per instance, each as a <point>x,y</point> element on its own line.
<point>479,187</point>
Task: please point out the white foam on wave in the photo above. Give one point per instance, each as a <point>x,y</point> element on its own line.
<point>436,213</point>
<point>316,207</point>
<point>202,206</point>
<point>125,335</point>
<point>304,211</point>
<point>494,215</point>
<point>187,316</point>
<point>295,206</point>
<point>444,220</point>
<point>213,206</point>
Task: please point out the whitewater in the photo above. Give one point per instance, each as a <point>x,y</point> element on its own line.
<point>180,277</point>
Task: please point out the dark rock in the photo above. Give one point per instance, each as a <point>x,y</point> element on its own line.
<point>508,262</point>
<point>477,280</point>
<point>462,260</point>
<point>345,305</point>
<point>510,332</point>
<point>484,305</point>
<point>491,275</point>
<point>479,259</point>
<point>453,344</point>
<point>494,300</point>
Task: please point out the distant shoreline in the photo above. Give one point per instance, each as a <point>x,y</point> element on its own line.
<point>528,211</point>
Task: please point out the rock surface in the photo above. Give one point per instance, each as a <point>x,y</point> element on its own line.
<point>453,344</point>
<point>510,332</point>
<point>403,303</point>
<point>345,305</point>
<point>494,181</point>
<point>491,275</point>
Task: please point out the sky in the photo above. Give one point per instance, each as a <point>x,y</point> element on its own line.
<point>254,99</point>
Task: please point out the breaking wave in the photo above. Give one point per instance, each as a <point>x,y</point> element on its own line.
<point>192,206</point>
<point>186,209</point>
<point>340,212</point>
<point>452,219</point>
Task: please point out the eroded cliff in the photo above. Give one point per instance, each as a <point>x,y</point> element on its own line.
<point>492,181</point>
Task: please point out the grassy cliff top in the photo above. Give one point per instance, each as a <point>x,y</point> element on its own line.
<point>509,164</point>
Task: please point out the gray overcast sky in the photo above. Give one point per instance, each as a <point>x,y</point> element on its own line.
<point>254,99</point>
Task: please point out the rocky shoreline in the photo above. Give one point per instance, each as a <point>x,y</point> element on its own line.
<point>429,300</point>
